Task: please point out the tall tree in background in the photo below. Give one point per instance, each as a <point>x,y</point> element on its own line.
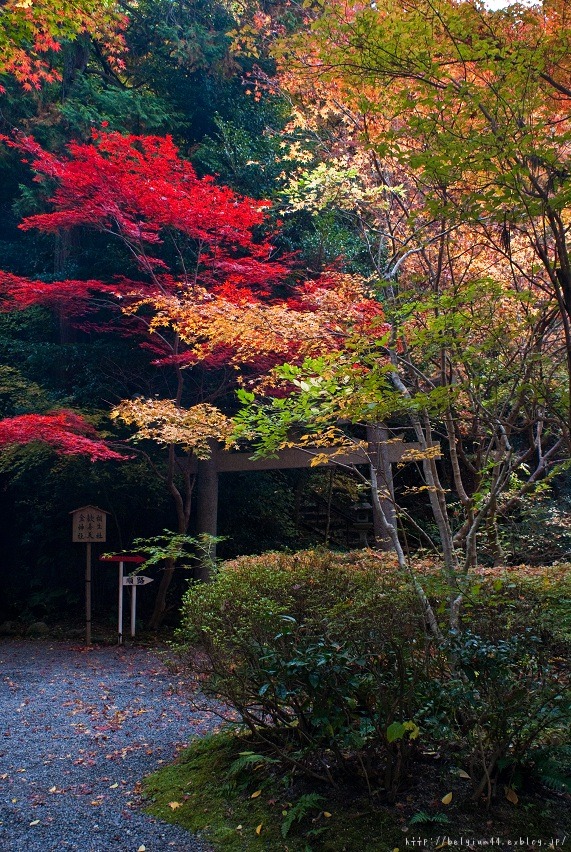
<point>474,105</point>
<point>457,190</point>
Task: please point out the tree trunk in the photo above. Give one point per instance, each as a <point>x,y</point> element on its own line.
<point>377,437</point>
<point>391,533</point>
<point>183,503</point>
<point>161,598</point>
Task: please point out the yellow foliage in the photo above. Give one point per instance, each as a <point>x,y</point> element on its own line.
<point>163,421</point>
<point>413,454</point>
<point>251,330</point>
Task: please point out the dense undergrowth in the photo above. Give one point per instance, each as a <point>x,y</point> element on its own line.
<point>338,688</point>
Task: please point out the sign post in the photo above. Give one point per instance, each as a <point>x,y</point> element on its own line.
<point>88,594</point>
<point>133,609</point>
<point>120,606</point>
<point>134,582</point>
<point>89,524</point>
<point>125,581</point>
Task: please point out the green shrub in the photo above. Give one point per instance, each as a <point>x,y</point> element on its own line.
<point>502,602</point>
<point>500,702</point>
<point>326,660</point>
<point>319,656</point>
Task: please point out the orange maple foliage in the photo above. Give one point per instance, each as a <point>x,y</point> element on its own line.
<point>32,30</point>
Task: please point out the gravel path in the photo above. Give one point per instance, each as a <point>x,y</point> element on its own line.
<point>78,729</point>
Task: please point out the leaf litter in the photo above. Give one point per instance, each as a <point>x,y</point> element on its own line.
<point>78,731</point>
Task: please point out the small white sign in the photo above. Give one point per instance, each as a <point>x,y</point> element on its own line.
<point>137,580</point>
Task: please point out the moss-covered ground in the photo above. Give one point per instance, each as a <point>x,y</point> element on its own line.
<point>251,810</point>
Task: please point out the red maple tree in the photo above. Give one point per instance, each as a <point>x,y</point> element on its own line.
<point>187,241</point>
<point>191,240</point>
<point>199,250</point>
<point>139,189</point>
<point>203,284</point>
<point>65,431</point>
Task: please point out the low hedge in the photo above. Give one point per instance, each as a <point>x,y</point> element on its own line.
<point>326,660</point>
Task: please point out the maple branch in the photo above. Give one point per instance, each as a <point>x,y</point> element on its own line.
<point>560,87</point>
<point>393,272</point>
<point>534,478</point>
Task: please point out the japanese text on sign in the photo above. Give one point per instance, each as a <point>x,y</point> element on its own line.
<point>136,581</point>
<point>89,526</point>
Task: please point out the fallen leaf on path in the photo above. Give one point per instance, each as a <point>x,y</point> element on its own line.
<point>259,828</point>
<point>175,805</point>
<point>447,799</point>
<point>256,794</point>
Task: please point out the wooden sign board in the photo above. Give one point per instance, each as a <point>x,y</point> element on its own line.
<point>89,525</point>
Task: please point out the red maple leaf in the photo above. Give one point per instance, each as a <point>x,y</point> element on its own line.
<point>65,431</point>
